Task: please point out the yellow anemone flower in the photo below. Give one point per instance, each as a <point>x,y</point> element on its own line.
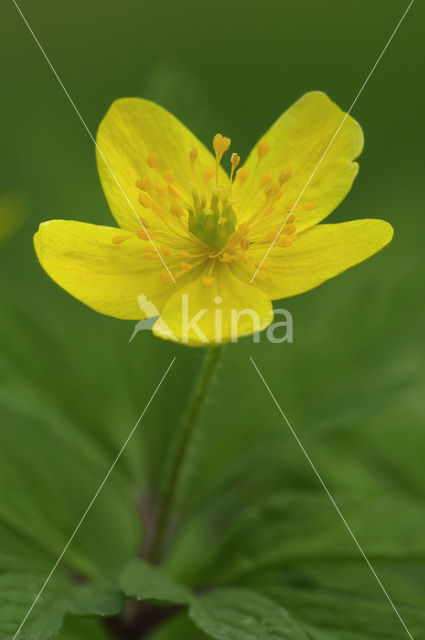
<point>190,234</point>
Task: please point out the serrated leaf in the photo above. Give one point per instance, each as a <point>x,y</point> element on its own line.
<point>147,582</point>
<point>240,614</point>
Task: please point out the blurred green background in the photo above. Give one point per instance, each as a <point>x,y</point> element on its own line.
<point>352,383</point>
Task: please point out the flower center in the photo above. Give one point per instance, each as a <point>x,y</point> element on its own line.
<point>224,221</point>
<point>213,223</point>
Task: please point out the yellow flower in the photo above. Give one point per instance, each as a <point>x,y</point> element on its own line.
<point>190,231</point>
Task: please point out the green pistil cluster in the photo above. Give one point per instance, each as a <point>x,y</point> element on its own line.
<point>213,225</point>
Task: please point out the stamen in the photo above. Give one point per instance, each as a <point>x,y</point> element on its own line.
<point>193,154</point>
<point>161,191</point>
<point>220,146</point>
<point>267,177</point>
<point>286,241</point>
<point>208,280</point>
<point>173,192</point>
<point>142,234</point>
<point>186,266</point>
<point>176,209</point>
<point>169,175</point>
<point>242,175</point>
<point>145,200</point>
<point>209,173</point>
<point>284,176</point>
<point>309,206</point>
<point>153,161</point>
<point>262,149</point>
<point>235,160</point>
<point>119,239</point>
<point>165,277</point>
<point>144,184</point>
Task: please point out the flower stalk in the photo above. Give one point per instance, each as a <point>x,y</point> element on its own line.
<point>168,502</point>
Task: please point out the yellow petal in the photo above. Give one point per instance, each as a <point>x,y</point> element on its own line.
<point>132,130</point>
<point>297,142</point>
<point>316,255</point>
<point>201,315</point>
<point>107,277</point>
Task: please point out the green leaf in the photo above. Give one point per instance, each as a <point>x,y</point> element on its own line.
<point>83,629</point>
<point>278,532</point>
<point>147,582</point>
<point>347,616</point>
<point>18,591</point>
<point>178,627</point>
<point>93,599</point>
<point>240,614</point>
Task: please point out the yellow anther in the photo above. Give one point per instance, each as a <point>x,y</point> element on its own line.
<point>208,280</point>
<point>119,239</point>
<point>225,144</point>
<point>289,229</point>
<point>193,154</point>
<point>271,190</point>
<point>235,160</point>
<point>262,149</point>
<point>153,161</point>
<point>176,209</point>
<point>141,233</point>
<point>284,176</point>
<point>220,145</point>
<point>242,175</point>
<point>161,191</point>
<point>166,276</point>
<point>169,175</point>
<point>166,251</point>
<point>185,254</point>
<point>173,192</point>
<point>209,173</point>
<point>144,184</point>
<point>145,200</point>
<point>242,257</point>
<point>267,177</point>
<point>285,241</point>
<point>309,206</point>
<point>244,243</point>
<point>186,266</point>
<point>217,140</point>
<point>261,265</point>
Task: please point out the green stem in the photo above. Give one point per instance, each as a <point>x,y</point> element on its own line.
<point>167,504</point>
